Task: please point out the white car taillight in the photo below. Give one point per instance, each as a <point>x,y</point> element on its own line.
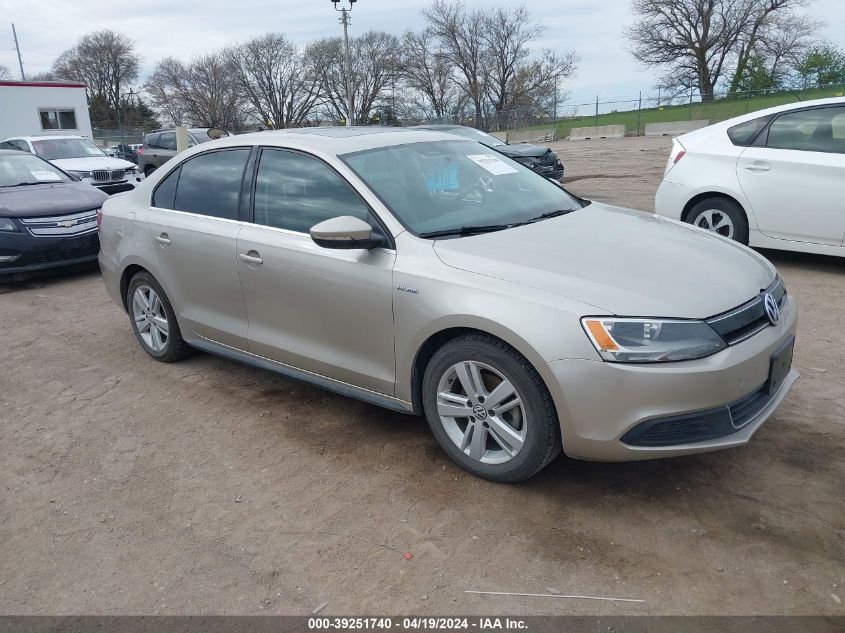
<point>678,152</point>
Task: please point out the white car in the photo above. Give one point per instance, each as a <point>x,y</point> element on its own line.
<point>80,157</point>
<point>770,179</point>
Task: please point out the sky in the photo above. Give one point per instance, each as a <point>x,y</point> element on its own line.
<point>184,28</point>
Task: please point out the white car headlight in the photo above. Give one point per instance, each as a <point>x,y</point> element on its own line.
<point>625,340</point>
<point>81,174</point>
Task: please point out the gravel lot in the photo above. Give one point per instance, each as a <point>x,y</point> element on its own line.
<point>129,486</point>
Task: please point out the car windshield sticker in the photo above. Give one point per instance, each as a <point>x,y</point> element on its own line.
<point>442,178</point>
<point>44,176</point>
<point>492,164</point>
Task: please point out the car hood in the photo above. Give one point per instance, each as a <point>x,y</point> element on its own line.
<point>623,262</point>
<point>523,149</point>
<point>92,163</point>
<point>49,199</point>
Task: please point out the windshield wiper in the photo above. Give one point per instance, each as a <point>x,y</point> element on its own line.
<point>544,216</point>
<point>467,230</point>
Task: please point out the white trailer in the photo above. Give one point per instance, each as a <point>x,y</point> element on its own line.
<point>33,108</point>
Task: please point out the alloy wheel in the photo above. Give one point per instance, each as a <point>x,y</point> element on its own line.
<point>717,221</point>
<point>150,318</point>
<point>481,412</point>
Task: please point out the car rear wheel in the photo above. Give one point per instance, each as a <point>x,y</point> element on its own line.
<point>489,409</point>
<point>721,216</point>
<point>153,320</point>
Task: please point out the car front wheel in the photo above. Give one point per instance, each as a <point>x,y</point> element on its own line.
<point>489,409</point>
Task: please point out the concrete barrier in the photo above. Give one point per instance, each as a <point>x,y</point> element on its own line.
<point>674,128</point>
<point>532,136</point>
<point>602,131</point>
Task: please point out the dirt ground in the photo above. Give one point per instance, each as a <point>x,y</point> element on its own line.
<point>129,486</point>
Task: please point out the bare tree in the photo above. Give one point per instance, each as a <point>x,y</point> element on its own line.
<point>461,35</point>
<point>5,73</point>
<point>375,56</point>
<point>786,43</point>
<point>200,93</point>
<point>426,70</point>
<point>277,80</point>
<point>105,61</point>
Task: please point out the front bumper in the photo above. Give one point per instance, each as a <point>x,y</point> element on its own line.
<point>598,403</point>
<point>37,254</point>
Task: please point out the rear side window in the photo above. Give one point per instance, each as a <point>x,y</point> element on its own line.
<point>210,183</point>
<point>818,130</point>
<point>166,191</point>
<point>167,140</point>
<point>744,134</point>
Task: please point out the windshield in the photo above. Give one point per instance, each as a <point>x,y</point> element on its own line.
<point>25,169</point>
<point>58,148</point>
<point>477,135</point>
<point>442,185</point>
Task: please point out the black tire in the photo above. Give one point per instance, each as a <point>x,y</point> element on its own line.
<point>175,348</point>
<point>542,441</point>
<point>726,207</point>
<point>148,170</point>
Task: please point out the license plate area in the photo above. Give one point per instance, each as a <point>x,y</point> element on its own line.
<point>779,366</point>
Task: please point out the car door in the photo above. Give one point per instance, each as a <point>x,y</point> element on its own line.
<point>794,176</point>
<point>194,222</point>
<point>325,311</point>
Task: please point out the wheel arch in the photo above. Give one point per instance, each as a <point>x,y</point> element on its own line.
<point>712,194</point>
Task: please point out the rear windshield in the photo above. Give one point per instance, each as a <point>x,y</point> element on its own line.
<point>744,134</point>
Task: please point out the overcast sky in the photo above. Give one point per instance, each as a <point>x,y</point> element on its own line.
<point>184,28</point>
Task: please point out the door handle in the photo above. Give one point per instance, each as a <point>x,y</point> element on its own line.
<point>163,239</point>
<point>759,167</point>
<point>251,259</point>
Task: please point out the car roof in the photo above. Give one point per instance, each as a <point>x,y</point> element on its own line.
<point>46,137</point>
<point>15,152</point>
<point>335,140</point>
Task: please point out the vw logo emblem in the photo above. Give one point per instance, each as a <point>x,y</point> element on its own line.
<point>772,309</point>
<point>480,412</point>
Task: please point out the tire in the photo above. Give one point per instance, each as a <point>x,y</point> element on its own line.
<point>726,215</point>
<point>154,321</point>
<point>148,170</point>
<point>513,443</point>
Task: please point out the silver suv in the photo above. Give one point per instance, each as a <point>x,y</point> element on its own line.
<point>430,275</point>
<point>160,145</point>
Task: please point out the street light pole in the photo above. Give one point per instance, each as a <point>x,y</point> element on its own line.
<point>344,20</point>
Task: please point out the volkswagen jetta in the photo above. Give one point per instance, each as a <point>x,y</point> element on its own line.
<point>429,275</point>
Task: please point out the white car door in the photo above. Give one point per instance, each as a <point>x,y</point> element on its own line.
<point>794,178</point>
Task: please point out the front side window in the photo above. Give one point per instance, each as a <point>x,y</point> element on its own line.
<point>26,169</point>
<point>210,184</point>
<point>294,192</point>
<point>444,185</point>
<point>818,130</point>
<point>59,148</point>
<point>57,119</point>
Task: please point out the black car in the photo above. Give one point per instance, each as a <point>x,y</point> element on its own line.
<point>47,219</point>
<point>540,159</point>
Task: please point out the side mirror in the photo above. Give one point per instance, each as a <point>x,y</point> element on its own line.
<point>345,232</point>
<point>216,133</point>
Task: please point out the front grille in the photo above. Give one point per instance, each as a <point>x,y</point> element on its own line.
<point>76,250</point>
<point>701,426</point>
<point>62,225</point>
<point>104,175</point>
<point>748,319</point>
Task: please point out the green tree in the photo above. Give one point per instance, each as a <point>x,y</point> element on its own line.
<point>757,76</point>
<point>824,64</point>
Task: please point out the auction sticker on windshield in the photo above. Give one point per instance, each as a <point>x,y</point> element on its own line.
<point>491,163</point>
<point>44,176</point>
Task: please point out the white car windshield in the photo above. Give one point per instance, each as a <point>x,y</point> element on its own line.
<point>26,169</point>
<point>58,148</point>
<point>458,186</point>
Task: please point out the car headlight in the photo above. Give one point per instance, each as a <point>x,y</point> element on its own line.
<point>81,174</point>
<point>7,226</point>
<point>527,161</point>
<point>625,340</point>
<point>132,171</point>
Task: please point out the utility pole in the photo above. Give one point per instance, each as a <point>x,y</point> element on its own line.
<point>344,20</point>
<point>18,49</point>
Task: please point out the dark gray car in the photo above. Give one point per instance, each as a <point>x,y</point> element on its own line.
<point>47,218</point>
<point>160,145</point>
